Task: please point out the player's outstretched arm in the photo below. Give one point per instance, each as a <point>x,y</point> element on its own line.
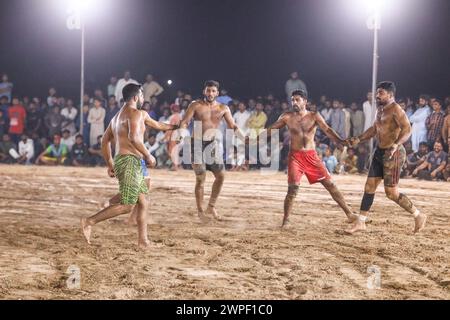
<point>333,135</point>
<point>149,122</point>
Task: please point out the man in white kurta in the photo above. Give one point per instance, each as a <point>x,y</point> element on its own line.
<point>370,112</point>
<point>419,129</point>
<point>95,118</point>
<point>121,84</point>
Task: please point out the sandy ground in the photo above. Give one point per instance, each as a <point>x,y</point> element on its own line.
<point>244,257</point>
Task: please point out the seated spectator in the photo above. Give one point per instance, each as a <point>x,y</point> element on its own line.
<point>67,139</point>
<point>79,156</point>
<point>55,154</point>
<point>330,160</point>
<point>3,123</point>
<point>362,154</point>
<point>432,168</point>
<point>26,150</point>
<point>95,152</point>
<point>351,162</point>
<point>341,154</point>
<point>417,158</point>
<point>8,152</point>
<point>152,145</point>
<point>446,172</point>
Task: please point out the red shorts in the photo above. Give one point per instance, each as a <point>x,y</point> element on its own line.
<point>308,163</point>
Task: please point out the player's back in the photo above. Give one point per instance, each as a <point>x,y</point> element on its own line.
<point>120,128</point>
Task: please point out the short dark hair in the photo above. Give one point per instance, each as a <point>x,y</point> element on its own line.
<point>212,83</point>
<point>130,90</point>
<point>98,99</point>
<point>301,93</point>
<point>389,86</point>
<point>423,143</point>
<point>79,136</point>
<point>65,130</point>
<point>438,141</point>
<point>438,101</point>
<point>424,97</point>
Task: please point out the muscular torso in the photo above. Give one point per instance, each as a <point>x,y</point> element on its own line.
<point>302,129</point>
<point>210,116</point>
<point>120,129</point>
<point>388,127</point>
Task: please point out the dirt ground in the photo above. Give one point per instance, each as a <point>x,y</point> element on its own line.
<point>246,256</point>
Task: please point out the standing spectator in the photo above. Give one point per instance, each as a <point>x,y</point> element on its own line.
<point>294,83</point>
<point>6,88</point>
<point>4,106</point>
<point>165,115</point>
<point>51,99</point>
<point>369,112</point>
<point>86,124</point>
<point>26,150</point>
<point>357,119</point>
<point>151,88</point>
<point>7,150</point>
<point>241,117</point>
<point>111,90</point>
<point>446,172</point>
<point>34,120</point>
<point>68,139</point>
<point>3,123</point>
<point>337,119</point>
<point>347,122</point>
<point>69,114</point>
<point>418,120</point>
<point>95,152</point>
<point>326,111</point>
<point>53,121</point>
<point>98,93</point>
<point>257,121</point>
<point>446,127</point>
<point>121,84</point>
<point>79,156</point>
<point>272,114</point>
<point>55,154</point>
<point>224,98</point>
<point>434,123</point>
<point>329,160</point>
<point>111,111</point>
<point>96,119</point>
<point>17,116</point>
<point>432,168</point>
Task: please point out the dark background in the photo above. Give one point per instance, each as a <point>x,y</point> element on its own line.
<point>250,46</point>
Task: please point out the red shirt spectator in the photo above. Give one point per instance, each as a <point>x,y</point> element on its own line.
<point>17,116</point>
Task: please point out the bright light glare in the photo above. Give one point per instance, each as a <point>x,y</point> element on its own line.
<point>81,5</point>
<point>374,5</point>
<point>169,82</point>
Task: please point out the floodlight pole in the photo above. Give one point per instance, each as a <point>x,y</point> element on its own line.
<point>374,65</point>
<point>82,76</point>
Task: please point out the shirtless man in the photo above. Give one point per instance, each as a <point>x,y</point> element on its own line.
<point>303,158</point>
<point>391,129</point>
<point>127,130</point>
<point>210,113</point>
<point>149,122</point>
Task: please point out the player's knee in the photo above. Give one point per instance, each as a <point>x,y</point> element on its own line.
<point>292,191</point>
<point>369,188</point>
<point>200,179</point>
<point>220,176</point>
<point>391,195</point>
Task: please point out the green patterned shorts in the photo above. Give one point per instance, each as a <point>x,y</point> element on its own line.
<point>128,170</point>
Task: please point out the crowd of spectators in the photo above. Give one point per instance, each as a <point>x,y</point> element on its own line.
<point>46,131</point>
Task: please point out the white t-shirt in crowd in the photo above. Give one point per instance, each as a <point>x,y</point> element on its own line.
<point>240,118</point>
<point>120,85</point>
<point>26,148</point>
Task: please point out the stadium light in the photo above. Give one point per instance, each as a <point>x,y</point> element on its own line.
<point>169,82</point>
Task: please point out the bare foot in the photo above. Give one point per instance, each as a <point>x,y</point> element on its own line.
<point>212,210</point>
<point>202,217</point>
<point>420,221</point>
<point>144,244</point>
<point>86,229</point>
<point>352,218</point>
<point>286,224</point>
<point>357,226</point>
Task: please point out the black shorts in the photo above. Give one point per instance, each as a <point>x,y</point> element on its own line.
<point>206,158</point>
<point>387,168</point>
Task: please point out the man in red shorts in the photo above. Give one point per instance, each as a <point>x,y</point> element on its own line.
<point>303,158</point>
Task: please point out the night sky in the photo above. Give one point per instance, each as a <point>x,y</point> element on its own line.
<point>250,46</point>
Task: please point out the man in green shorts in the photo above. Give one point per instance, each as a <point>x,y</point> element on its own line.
<point>127,130</point>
